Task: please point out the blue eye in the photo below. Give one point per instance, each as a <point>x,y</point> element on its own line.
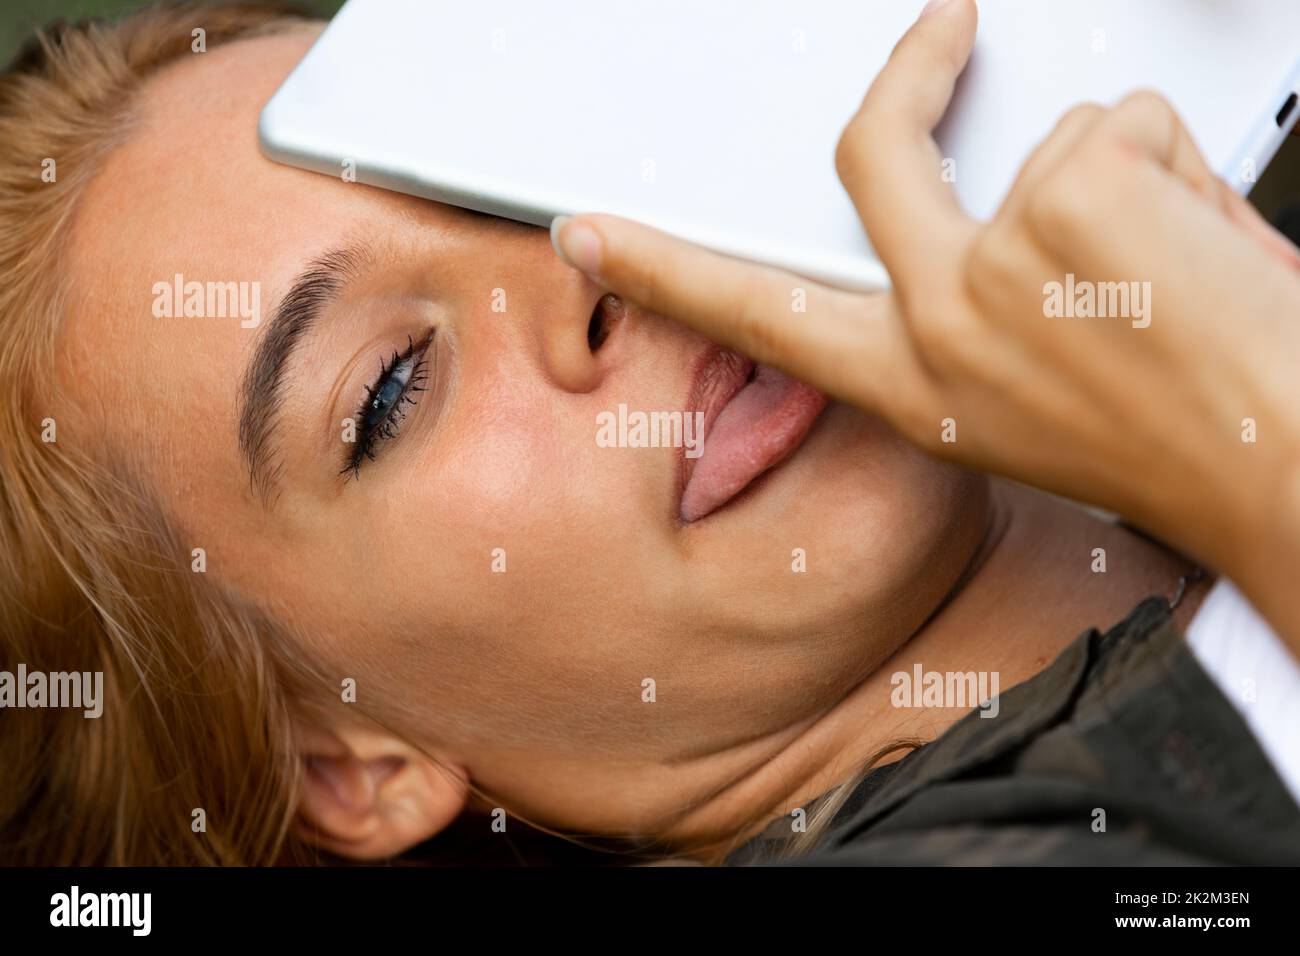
<point>400,381</point>
<point>387,395</point>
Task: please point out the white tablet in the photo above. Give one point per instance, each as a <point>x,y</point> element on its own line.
<point>717,120</point>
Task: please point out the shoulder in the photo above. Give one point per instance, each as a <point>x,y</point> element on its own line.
<point>1123,750</point>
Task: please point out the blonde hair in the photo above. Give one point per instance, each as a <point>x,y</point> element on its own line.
<point>91,579</point>
<point>203,691</point>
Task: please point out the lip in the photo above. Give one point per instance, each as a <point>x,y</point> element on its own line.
<point>764,417</point>
<point>718,375</point>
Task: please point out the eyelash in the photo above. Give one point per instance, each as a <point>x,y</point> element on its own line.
<point>386,425</point>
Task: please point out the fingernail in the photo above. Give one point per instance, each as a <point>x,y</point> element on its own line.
<point>932,6</point>
<point>577,244</point>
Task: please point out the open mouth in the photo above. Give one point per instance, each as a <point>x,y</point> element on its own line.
<point>754,418</point>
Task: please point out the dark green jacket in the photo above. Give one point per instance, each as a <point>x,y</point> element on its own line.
<point>1126,723</point>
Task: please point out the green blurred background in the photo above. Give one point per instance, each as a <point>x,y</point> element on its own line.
<point>1277,194</point>
<point>19,17</point>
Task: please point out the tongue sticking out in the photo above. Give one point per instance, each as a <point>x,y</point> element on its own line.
<point>760,426</point>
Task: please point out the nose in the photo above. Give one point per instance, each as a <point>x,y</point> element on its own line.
<point>574,326</point>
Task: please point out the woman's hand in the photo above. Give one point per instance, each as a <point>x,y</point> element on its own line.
<point>1180,412</point>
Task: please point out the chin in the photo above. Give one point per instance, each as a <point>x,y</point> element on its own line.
<point>873,516</point>
<point>851,472</point>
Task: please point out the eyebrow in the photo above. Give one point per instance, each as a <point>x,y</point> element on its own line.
<point>317,286</point>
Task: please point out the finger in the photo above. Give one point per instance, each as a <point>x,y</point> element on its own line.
<point>887,157</point>
<point>1060,144</point>
<point>1149,121</point>
<point>1112,218</point>
<point>805,329</point>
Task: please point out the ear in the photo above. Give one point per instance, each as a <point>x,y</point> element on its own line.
<point>368,795</point>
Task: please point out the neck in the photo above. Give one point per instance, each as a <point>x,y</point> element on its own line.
<point>1030,589</point>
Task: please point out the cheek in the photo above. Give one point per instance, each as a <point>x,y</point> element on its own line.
<point>490,498</point>
<point>518,482</point>
<point>500,460</point>
<point>498,465</point>
<point>489,562</point>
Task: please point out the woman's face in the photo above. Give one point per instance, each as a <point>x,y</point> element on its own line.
<point>525,664</point>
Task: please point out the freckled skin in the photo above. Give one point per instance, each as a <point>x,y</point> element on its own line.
<point>531,679</point>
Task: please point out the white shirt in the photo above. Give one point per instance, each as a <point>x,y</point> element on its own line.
<point>1255,671</point>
